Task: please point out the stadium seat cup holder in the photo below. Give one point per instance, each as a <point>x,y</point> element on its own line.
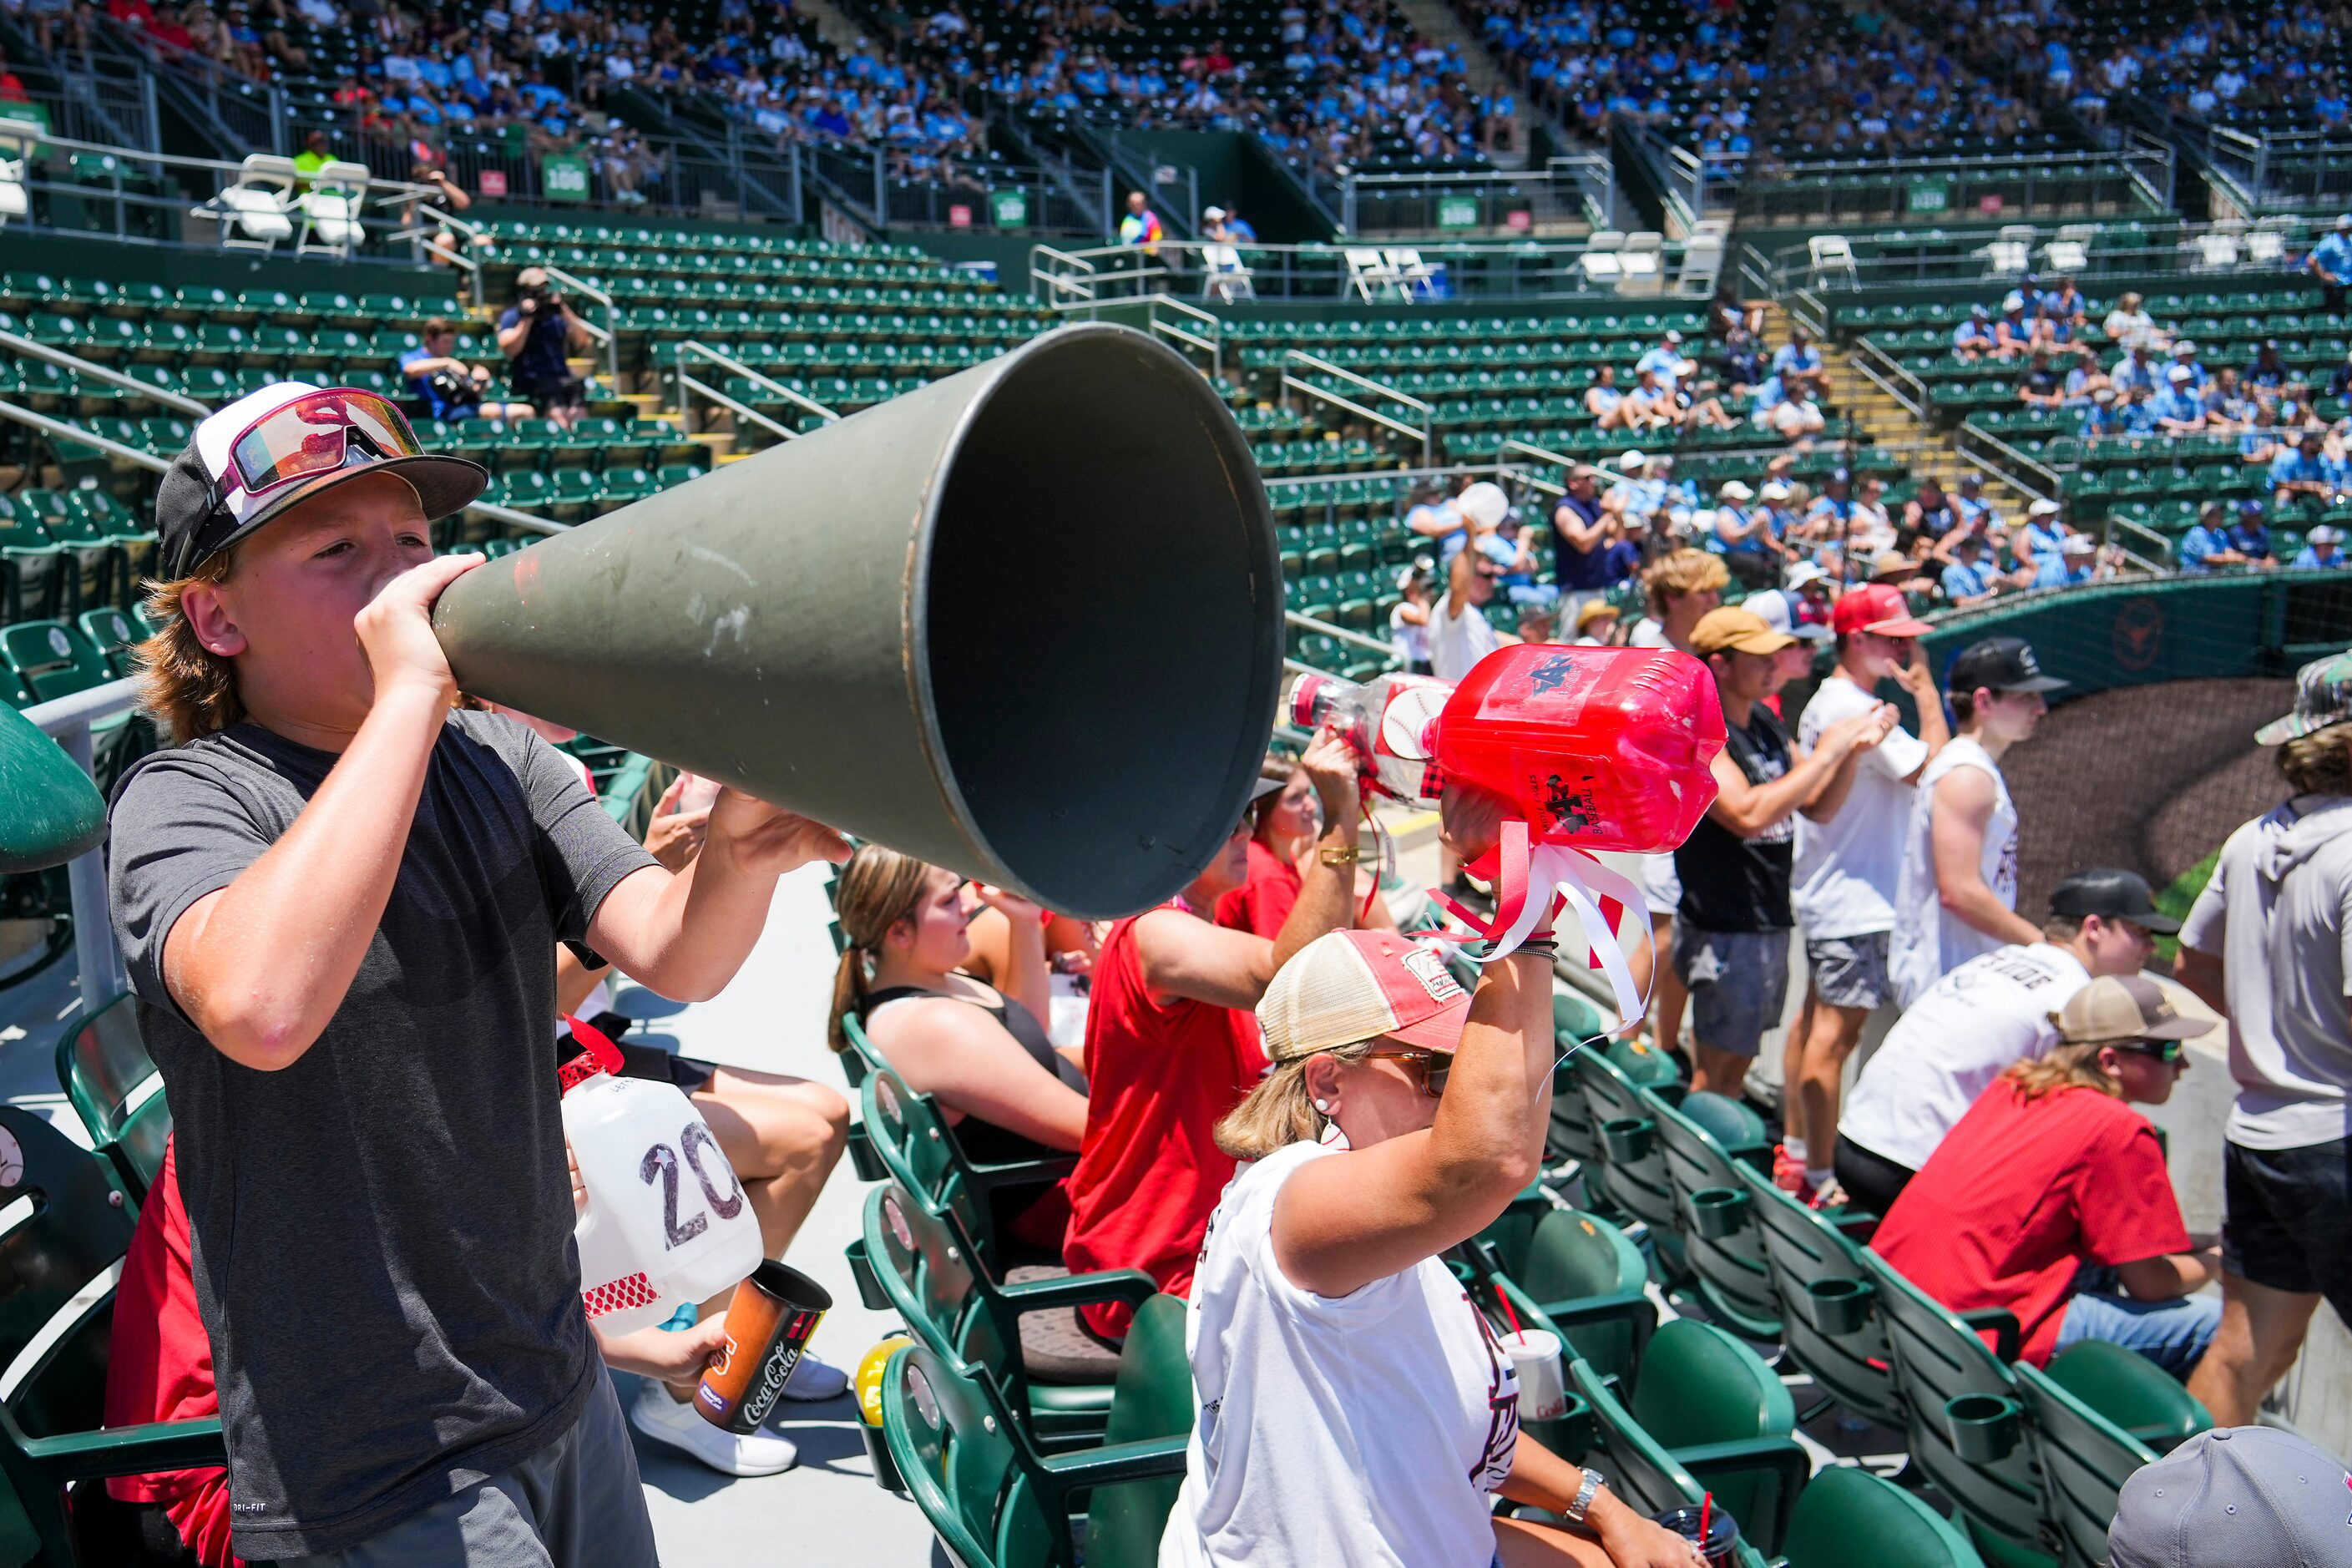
<point>1838,1307</point>
<point>1569,1434</point>
<point>869,1284</point>
<point>1984,1427</point>
<point>864,1158</point>
<point>1628,1139</point>
<point>1718,1213</point>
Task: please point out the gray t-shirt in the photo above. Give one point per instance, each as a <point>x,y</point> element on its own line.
<point>2279,913</point>
<point>381,1231</point>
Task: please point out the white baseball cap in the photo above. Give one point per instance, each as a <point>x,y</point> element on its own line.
<point>1732,490</point>
<point>1631,458</point>
<point>2042,509</point>
<point>1775,490</point>
<point>2181,372</point>
<point>1805,572</point>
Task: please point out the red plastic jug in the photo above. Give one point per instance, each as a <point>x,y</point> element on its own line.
<point>1599,748</point>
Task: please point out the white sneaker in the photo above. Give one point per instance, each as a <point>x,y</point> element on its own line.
<point>814,1379</point>
<point>666,1420</point>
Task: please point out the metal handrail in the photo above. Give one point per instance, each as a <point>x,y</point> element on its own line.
<point>734,405</point>
<point>1381,389</point>
<point>1056,280</point>
<point>1340,633</point>
<point>471,232</point>
<point>81,366</point>
<point>1212,344</point>
<point>2048,481</point>
<point>1890,378</point>
<point>1562,460</point>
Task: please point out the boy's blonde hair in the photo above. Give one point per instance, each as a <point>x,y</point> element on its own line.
<point>190,689</point>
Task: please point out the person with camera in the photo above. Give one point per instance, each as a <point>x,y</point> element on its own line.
<point>1354,1406</point>
<point>537,333</point>
<point>449,387</point>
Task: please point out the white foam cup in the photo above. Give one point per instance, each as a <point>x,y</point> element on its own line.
<point>1543,1392</point>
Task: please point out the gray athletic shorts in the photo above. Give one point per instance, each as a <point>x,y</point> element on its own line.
<point>576,1503</point>
<point>1739,983</point>
<point>1851,971</point>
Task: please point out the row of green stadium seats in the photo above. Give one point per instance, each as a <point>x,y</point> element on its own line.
<point>624,262</point>
<point>22,292</point>
<point>607,236</point>
<point>1461,329</point>
<point>1393,363</point>
<point>2166,308</point>
<point>845,356</point>
<point>641,290</point>
<point>823,326</point>
<point>62,551</point>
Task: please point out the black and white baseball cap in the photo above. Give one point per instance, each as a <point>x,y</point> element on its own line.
<point>271,449</point>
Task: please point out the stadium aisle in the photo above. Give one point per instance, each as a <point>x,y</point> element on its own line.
<point>773,1018</point>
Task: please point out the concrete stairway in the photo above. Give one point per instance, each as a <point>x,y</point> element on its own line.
<point>1888,422</point>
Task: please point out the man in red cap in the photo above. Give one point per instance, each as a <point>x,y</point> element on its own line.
<point>1849,855</point>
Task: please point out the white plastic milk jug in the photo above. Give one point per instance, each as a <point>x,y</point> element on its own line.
<point>667,1222</point>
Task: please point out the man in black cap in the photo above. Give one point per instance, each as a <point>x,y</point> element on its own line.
<point>338,901</point>
<point>1956,896</point>
<point>1971,1024</point>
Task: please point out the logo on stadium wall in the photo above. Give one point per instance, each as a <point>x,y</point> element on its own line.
<point>2138,634</point>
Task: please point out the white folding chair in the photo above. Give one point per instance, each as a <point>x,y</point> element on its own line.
<point>2006,259</point>
<point>1223,276</point>
<point>1831,253</point>
<point>1601,262</point>
<point>13,199</point>
<point>2216,252</point>
<point>255,211</point>
<point>331,211</point>
<point>1641,264</point>
<point>1372,276</point>
<point>1412,273</point>
<point>1702,267</point>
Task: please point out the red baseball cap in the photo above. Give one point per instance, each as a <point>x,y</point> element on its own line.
<point>1351,985</point>
<point>1878,608</point>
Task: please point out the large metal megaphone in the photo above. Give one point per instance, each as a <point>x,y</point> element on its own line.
<point>1025,622</point>
<point>49,811</point>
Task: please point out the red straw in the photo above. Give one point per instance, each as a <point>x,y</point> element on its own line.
<point>1706,1517</point>
<point>1505,1297</point>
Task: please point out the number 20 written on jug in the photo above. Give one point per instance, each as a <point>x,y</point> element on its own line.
<point>661,1164</point>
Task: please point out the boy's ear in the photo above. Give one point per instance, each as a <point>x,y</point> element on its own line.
<point>210,617</point>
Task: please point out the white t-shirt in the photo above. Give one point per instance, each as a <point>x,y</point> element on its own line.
<point>1365,1431</point>
<point>1950,1044</point>
<point>1411,641</point>
<point>1846,869</point>
<point>1458,642</point>
<point>2279,913</point>
<point>1929,940</point>
<point>1647,632</point>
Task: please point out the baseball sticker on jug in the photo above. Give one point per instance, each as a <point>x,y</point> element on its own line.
<point>667,1223</point>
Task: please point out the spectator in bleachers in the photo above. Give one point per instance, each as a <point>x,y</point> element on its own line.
<point>2045,534</point>
<point>2184,357</point>
<point>293,889</point>
<point>1355,1404</point>
<point>2041,386</point>
<point>2068,313</point>
<point>2076,561</point>
<point>2297,474</point>
<point>1605,401</point>
<point>980,1050</point>
<point>1409,620</point>
<point>1973,338</point>
<point>2250,536</point>
<point>2016,332</point>
<point>2129,324</point>
<point>1789,410</point>
<point>2266,944</point>
<point>1678,589</point>
<point>2206,545</point>
<point>1997,1009</point>
<point>2051,1199</point>
<point>1748,547</point>
<point>1460,635</point>
<point>1591,554</point>
<point>1801,367</point>
<point>1649,407</point>
<point>2330,261</point>
<point>1957,896</point>
<point>1742,362</point>
<point>2320,548</point>
<point>1848,855</point>
<point>1171,1048</point>
<point>1596,624</point>
<point>2102,416</point>
<point>537,333</point>
<point>1971,578</point>
<point>1733,921</point>
<point>1666,360</point>
<point>2177,409</point>
<point>452,389</point>
<point>2136,371</point>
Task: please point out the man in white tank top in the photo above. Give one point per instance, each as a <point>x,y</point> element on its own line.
<point>1956,896</point>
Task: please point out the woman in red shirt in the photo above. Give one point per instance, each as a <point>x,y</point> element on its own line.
<point>1171,1046</point>
<point>2050,1193</point>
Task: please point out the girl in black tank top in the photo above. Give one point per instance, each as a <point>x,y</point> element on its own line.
<point>983,1140</point>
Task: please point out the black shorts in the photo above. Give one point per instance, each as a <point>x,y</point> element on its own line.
<point>566,391</point>
<point>2289,1226</point>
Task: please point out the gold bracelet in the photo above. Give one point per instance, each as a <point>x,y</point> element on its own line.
<point>1348,857</point>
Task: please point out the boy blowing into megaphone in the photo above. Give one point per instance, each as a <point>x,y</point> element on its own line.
<point>338,900</point>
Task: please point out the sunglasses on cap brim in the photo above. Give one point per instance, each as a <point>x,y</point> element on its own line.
<point>312,435</point>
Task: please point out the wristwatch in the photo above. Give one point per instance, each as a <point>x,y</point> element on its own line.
<point>1575,1511</point>
<point>1344,856</point>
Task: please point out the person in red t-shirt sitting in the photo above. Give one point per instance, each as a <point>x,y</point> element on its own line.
<point>2050,1194</point>
<point>1287,824</point>
<point>1171,1046</point>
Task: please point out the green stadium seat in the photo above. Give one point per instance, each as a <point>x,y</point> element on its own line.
<point>1848,1517</point>
<point>1706,1137</point>
<point>1577,1276</point>
<point>115,1089</point>
<point>1825,1287</point>
<point>51,660</point>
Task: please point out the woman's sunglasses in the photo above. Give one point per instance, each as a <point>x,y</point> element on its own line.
<point>2166,1051</point>
<point>1429,1068</point>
